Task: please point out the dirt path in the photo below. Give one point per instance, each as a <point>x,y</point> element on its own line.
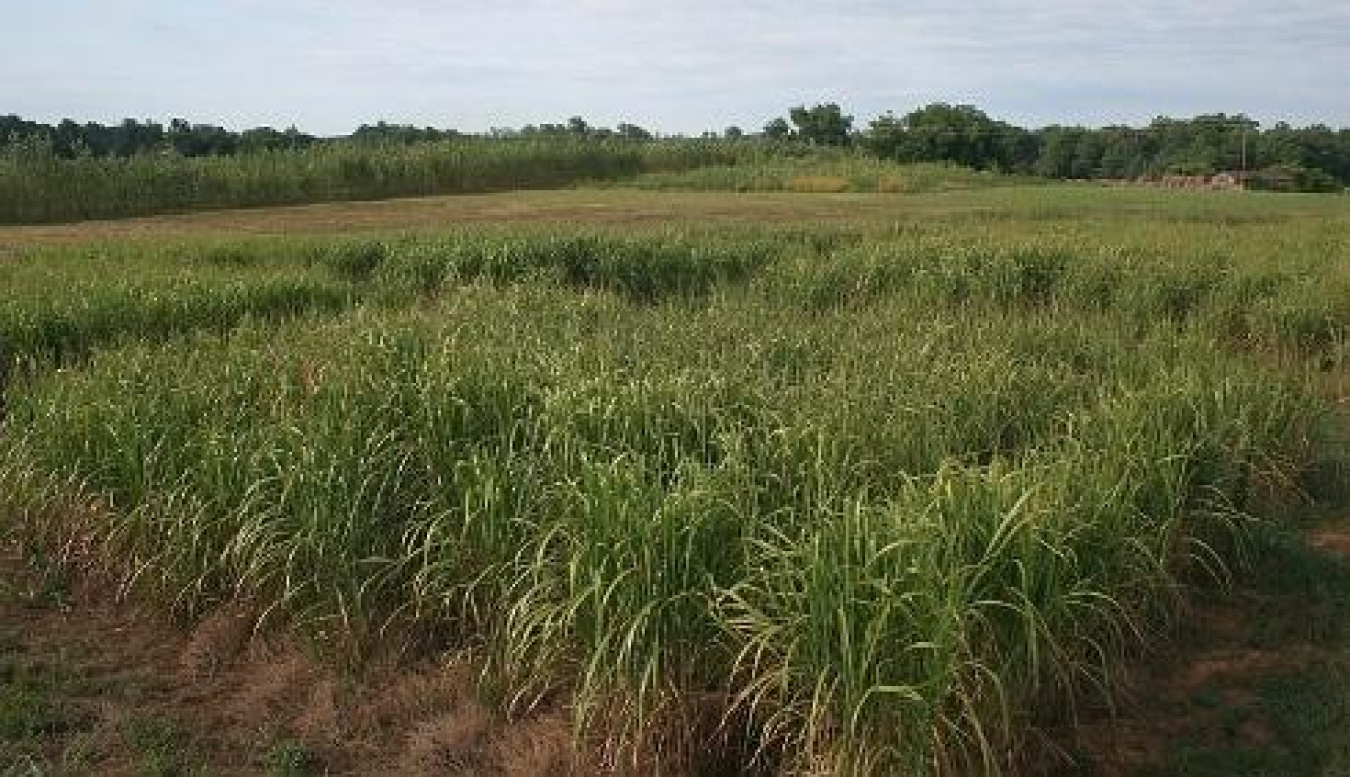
<point>88,687</point>
<point>1256,682</point>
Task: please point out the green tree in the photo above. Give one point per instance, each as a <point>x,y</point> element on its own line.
<point>1059,147</point>
<point>632,132</point>
<point>885,136</point>
<point>823,125</point>
<point>952,133</point>
<point>578,126</point>
<point>778,129</point>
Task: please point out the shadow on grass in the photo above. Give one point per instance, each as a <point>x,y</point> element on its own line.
<point>1282,705</point>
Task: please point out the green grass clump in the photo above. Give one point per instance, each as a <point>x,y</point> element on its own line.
<point>43,188</point>
<point>863,500</point>
<point>878,533</point>
<point>61,305</point>
<point>644,269</point>
<point>822,172</point>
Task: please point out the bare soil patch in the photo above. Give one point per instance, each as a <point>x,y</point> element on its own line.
<point>142,694</point>
<point>1256,681</point>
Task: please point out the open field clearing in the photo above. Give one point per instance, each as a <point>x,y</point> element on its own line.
<point>843,483</point>
<point>565,389</point>
<point>1020,208</point>
<point>598,207</point>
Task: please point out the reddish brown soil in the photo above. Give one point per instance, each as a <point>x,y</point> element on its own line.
<point>1331,540</point>
<point>233,694</point>
<point>1158,708</point>
<point>1202,690</point>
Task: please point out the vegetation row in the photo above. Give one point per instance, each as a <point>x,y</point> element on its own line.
<point>855,501</point>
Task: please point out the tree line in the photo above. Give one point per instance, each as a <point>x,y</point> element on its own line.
<point>69,139</point>
<point>1313,158</point>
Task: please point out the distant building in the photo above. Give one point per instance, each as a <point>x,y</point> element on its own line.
<point>1228,180</point>
<point>1225,181</point>
<point>1185,181</point>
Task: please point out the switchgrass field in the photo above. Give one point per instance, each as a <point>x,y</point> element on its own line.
<point>822,172</point>
<point>38,186</point>
<point>878,492</point>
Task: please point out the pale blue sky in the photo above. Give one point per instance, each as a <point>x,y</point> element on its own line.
<point>672,65</point>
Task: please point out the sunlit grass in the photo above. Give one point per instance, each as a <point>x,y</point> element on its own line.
<point>870,498</point>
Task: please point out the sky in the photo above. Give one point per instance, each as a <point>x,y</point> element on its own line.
<point>328,66</point>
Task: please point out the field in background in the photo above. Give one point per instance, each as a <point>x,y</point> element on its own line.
<point>38,187</point>
<point>822,174</point>
<point>847,482</point>
<point>1014,207</point>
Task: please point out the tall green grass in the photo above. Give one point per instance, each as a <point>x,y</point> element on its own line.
<point>822,172</point>
<point>44,188</point>
<point>874,536</point>
<point>60,305</point>
<point>1278,284</point>
<point>872,499</point>
<point>1297,303</point>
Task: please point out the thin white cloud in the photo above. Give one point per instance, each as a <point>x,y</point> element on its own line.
<point>678,64</point>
